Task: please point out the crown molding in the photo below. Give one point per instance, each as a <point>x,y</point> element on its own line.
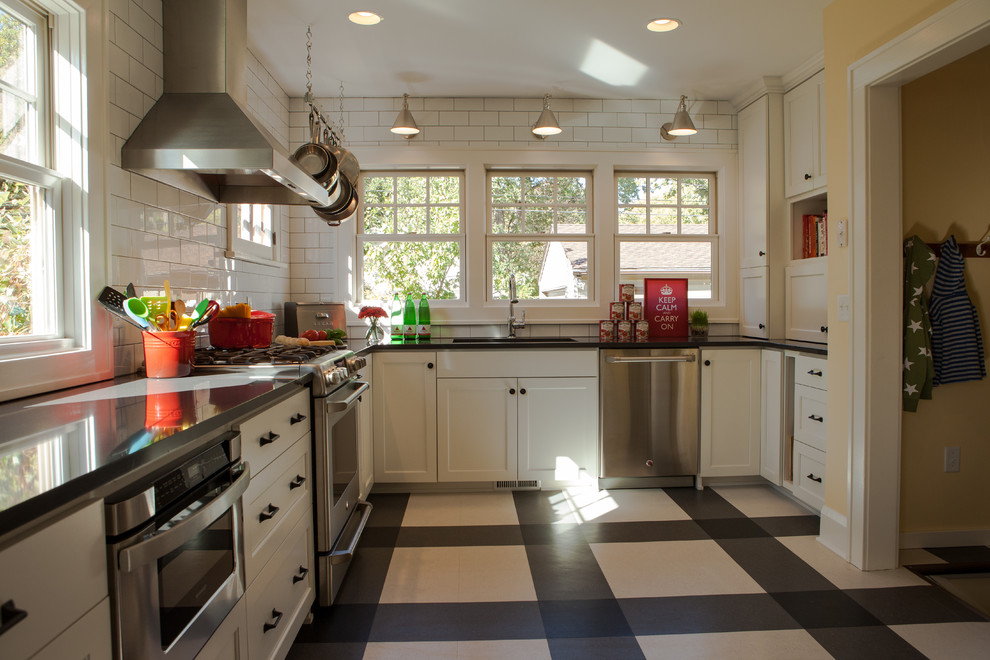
<point>765,85</point>
<point>798,75</point>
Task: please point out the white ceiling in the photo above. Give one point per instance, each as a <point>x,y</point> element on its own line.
<point>525,48</point>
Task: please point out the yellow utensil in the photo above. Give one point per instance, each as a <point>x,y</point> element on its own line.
<point>168,296</point>
<point>167,322</point>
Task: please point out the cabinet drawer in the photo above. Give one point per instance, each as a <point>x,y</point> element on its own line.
<point>523,363</point>
<point>809,474</point>
<point>811,371</point>
<point>55,576</point>
<point>272,503</point>
<point>87,639</point>
<point>810,416</point>
<point>278,600</point>
<point>268,434</point>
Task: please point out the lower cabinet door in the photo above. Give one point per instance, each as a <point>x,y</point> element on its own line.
<point>87,639</point>
<point>229,642</point>
<point>558,429</point>
<point>806,299</point>
<point>730,412</point>
<point>772,416</point>
<point>281,595</point>
<point>476,429</point>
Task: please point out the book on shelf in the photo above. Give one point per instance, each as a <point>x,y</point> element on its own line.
<point>814,231</point>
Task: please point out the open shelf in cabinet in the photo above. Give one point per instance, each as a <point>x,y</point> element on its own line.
<point>816,204</point>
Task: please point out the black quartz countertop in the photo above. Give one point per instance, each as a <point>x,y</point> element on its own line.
<point>70,446</point>
<point>733,341</point>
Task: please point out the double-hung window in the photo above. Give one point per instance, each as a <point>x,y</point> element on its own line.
<point>52,169</point>
<point>540,230</point>
<point>252,232</point>
<point>667,228</point>
<point>411,235</point>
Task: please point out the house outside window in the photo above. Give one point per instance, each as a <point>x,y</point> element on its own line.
<point>667,227</point>
<point>540,229</point>
<point>411,238</point>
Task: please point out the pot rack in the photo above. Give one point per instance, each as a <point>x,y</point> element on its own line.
<point>336,130</point>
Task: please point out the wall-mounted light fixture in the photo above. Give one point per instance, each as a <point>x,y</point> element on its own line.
<point>404,124</point>
<point>547,123</point>
<point>682,124</point>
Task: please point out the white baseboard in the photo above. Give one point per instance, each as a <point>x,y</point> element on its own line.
<point>945,538</point>
<point>835,532</point>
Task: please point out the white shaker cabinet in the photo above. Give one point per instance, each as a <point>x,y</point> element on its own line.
<point>804,137</point>
<point>558,429</point>
<point>730,412</point>
<point>405,429</point>
<point>806,300</point>
<point>772,416</point>
<point>754,316</point>
<point>476,429</point>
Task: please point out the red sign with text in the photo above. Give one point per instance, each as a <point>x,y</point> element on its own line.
<point>665,303</point>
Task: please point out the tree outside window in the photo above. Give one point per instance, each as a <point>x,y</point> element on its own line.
<point>540,230</point>
<point>411,235</point>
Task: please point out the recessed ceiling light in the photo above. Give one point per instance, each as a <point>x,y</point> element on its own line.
<point>663,24</point>
<point>365,18</point>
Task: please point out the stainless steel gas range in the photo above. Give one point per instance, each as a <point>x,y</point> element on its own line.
<point>337,387</point>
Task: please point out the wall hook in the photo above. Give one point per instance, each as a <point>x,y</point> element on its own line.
<point>983,241</point>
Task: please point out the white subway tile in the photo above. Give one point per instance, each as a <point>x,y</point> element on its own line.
<point>483,118</point>
<point>728,137</point>
<point>602,119</point>
<point>127,38</point>
<point>469,133</point>
<point>572,118</point>
<point>715,121</point>
<point>696,107</point>
<point>435,104</point>
<point>614,134</point>
<point>144,190</point>
<point>454,118</point>
<point>588,133</point>
<point>529,105</point>
<point>644,105</point>
<point>726,108</point>
<point>142,23</point>
<point>142,77</point>
<point>168,249</point>
<point>514,119</point>
<point>704,136</point>
<point>498,105</point>
<point>168,197</point>
<point>436,133</point>
<point>156,220</point>
<point>631,119</point>
<point>498,133</point>
<point>645,135</point>
<point>617,105</point>
<point>587,105</point>
<point>469,104</point>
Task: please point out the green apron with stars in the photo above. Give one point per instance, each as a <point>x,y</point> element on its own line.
<point>919,370</point>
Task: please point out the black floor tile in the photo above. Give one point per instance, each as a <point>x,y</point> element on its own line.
<point>639,532</point>
<point>731,528</point>
<point>549,534</point>
<point>790,525</point>
<point>700,504</point>
<point>438,622</point>
<point>387,509</point>
<point>870,642</point>
<point>825,609</point>
<point>595,648</point>
<point>678,615</point>
<point>537,506</point>
<point>583,618</point>
<point>431,537</point>
<point>905,605</point>
<point>774,567</point>
<point>366,576</point>
<point>339,623</point>
<point>965,554</point>
<point>566,572</point>
<point>378,537</point>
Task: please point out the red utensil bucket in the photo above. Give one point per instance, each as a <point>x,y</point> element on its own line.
<point>168,354</point>
<point>255,332</point>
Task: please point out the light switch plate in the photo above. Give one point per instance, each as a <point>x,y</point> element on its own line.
<point>952,459</point>
<point>842,233</point>
<point>842,307</point>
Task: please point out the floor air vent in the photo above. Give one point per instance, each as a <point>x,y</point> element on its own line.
<point>516,485</point>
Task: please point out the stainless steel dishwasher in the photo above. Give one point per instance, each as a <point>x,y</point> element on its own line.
<point>649,417</point>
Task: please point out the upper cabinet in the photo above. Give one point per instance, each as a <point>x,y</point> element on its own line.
<point>804,137</point>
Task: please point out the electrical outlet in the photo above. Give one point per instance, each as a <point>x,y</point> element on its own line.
<point>952,459</point>
<point>842,232</point>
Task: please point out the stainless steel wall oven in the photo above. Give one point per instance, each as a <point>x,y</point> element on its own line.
<point>176,557</point>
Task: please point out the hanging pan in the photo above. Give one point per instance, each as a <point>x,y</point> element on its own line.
<point>315,158</point>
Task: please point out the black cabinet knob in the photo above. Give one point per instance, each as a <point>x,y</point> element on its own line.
<point>824,328</point>
<point>708,363</point>
<point>512,390</point>
<point>807,176</point>
<point>762,253</point>
<point>763,326</point>
<point>522,390</point>
<point>429,365</point>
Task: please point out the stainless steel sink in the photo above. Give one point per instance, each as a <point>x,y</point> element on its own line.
<point>511,340</point>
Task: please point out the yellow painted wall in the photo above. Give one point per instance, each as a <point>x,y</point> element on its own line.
<point>852,29</point>
<point>946,190</point>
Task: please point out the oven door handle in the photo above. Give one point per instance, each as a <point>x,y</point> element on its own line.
<point>159,545</point>
<point>340,406</point>
<point>341,556</point>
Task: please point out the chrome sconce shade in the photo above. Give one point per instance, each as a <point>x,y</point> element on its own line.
<point>404,124</point>
<point>682,124</point>
<point>547,123</point>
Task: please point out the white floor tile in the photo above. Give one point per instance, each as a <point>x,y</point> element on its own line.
<point>758,501</point>
<point>535,649</point>
<point>909,556</point>
<point>473,574</point>
<point>671,568</point>
<point>843,574</point>
<point>453,509</point>
<point>751,645</point>
<point>948,641</point>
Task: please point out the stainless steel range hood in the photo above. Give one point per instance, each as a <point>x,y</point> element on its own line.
<point>200,136</point>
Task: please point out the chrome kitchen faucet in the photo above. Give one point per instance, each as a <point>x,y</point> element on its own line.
<point>513,300</point>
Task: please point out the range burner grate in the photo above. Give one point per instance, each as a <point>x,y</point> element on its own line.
<point>269,355</point>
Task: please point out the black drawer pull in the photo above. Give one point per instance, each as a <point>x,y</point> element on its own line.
<point>10,616</point>
<point>297,482</point>
<point>812,372</point>
<point>811,475</point>
<point>816,418</point>
<point>274,624</point>
<point>295,419</point>
<point>268,439</point>
<point>301,575</point>
<point>824,329</point>
<point>268,513</point>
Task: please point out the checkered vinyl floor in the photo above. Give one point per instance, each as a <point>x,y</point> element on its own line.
<point>672,573</point>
